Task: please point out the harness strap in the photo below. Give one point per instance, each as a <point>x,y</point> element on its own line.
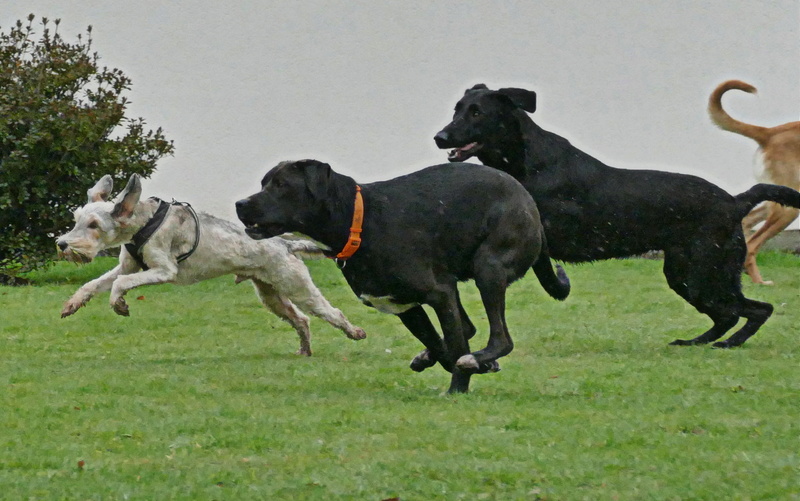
<point>142,236</point>
<point>183,256</point>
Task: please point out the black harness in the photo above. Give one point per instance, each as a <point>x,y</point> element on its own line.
<point>141,237</point>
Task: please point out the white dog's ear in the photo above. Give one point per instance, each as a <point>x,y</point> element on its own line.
<point>102,190</point>
<point>127,200</point>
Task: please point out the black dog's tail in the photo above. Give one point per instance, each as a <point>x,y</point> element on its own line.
<point>766,192</point>
<point>555,283</point>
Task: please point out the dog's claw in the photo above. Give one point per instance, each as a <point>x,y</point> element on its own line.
<point>70,307</point>
<point>358,334</point>
<point>489,367</point>
<point>68,310</point>
<point>121,307</point>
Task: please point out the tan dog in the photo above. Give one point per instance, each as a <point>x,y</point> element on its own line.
<point>780,149</point>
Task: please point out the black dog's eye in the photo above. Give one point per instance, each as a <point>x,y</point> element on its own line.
<point>476,113</point>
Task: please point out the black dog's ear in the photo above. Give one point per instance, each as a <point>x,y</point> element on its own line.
<point>317,177</point>
<point>525,99</point>
<point>476,87</point>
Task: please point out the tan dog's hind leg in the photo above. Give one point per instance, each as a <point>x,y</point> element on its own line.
<point>781,166</point>
<point>778,219</point>
<point>757,215</point>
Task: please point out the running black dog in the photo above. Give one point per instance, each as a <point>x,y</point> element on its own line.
<point>412,239</point>
<point>591,211</point>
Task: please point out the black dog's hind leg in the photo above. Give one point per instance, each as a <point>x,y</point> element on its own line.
<point>721,326</point>
<point>695,285</point>
<point>446,304</point>
<point>756,313</point>
<point>711,282</point>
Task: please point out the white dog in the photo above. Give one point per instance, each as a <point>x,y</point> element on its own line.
<point>170,243</point>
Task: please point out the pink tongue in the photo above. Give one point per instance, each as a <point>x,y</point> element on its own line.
<point>462,152</point>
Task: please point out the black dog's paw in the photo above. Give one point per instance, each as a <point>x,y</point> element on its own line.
<point>684,342</point>
<point>422,361</point>
<point>468,363</point>
<point>727,344</point>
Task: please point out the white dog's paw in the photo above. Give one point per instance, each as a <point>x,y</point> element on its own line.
<point>357,334</point>
<point>468,363</point>
<point>120,307</point>
<point>71,307</point>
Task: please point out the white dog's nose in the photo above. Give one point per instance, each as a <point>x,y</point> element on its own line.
<point>62,245</point>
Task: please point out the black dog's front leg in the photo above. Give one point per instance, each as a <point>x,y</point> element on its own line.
<point>420,325</point>
<point>417,321</point>
<point>457,345</point>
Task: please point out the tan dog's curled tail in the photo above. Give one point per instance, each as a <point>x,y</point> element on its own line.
<point>725,122</point>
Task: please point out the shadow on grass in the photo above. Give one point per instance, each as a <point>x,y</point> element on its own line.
<point>200,360</point>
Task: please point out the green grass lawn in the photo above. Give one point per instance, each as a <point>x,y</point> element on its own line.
<point>198,395</point>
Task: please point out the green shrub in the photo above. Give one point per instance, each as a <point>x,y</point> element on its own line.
<point>62,127</point>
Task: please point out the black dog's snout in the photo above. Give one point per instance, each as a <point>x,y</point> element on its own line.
<point>243,210</point>
<point>62,245</point>
<point>442,139</point>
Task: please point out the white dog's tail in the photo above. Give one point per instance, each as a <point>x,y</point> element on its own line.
<point>304,249</point>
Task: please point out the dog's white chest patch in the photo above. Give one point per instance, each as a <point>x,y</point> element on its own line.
<point>385,304</point>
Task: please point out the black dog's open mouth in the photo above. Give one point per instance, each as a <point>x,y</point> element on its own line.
<point>259,232</point>
<point>255,232</point>
<point>464,152</point>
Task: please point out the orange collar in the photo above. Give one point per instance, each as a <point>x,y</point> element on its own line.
<point>354,240</point>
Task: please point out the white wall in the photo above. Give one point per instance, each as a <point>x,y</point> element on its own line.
<point>365,85</point>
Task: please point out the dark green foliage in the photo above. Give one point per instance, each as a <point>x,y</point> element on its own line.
<point>62,127</point>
